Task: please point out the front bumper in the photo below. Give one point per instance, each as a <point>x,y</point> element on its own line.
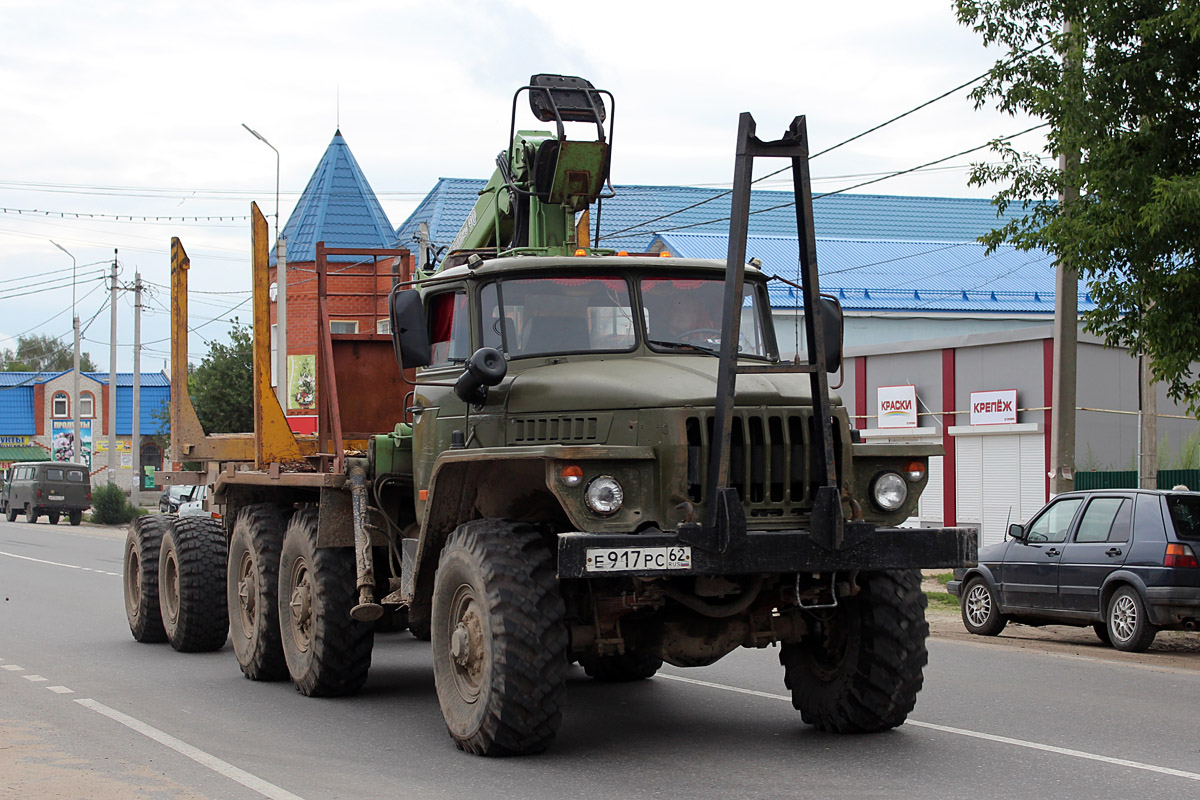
<point>781,552</point>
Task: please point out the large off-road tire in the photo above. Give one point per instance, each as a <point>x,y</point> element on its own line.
<point>1129,626</point>
<point>620,668</point>
<point>75,516</point>
<point>54,517</point>
<point>859,668</point>
<point>981,609</point>
<point>191,584</point>
<point>140,580</point>
<point>252,591</point>
<point>499,639</point>
<point>327,652</point>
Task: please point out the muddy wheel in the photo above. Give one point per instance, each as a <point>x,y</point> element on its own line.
<point>141,577</point>
<point>54,517</point>
<point>859,668</point>
<point>191,584</point>
<point>252,591</point>
<point>499,639</point>
<point>75,516</point>
<point>622,668</point>
<point>327,652</point>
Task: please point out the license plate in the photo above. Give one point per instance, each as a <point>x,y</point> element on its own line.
<point>628,559</point>
<point>57,497</point>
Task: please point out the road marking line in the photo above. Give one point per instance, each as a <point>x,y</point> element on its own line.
<point>58,564</point>
<point>989,737</point>
<point>12,668</point>
<point>34,678</point>
<point>61,690</point>
<point>252,782</point>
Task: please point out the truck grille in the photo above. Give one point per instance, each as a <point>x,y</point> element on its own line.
<point>770,461</point>
<point>540,430</point>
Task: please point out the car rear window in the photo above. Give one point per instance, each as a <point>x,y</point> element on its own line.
<point>1185,515</point>
<point>75,476</point>
<point>54,474</point>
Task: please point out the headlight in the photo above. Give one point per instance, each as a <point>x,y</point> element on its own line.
<point>604,495</point>
<point>889,491</point>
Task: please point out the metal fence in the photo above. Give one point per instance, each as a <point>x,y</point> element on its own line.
<point>1128,479</point>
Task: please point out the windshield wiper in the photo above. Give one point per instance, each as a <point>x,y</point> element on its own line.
<point>696,348</point>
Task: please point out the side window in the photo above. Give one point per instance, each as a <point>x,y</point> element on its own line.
<point>449,328</point>
<point>1053,525</point>
<point>1099,520</point>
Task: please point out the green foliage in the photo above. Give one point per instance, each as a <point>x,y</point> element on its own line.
<point>222,387</point>
<point>40,353</point>
<point>1122,89</point>
<point>110,507</point>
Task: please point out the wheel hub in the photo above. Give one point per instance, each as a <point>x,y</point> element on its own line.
<point>247,589</point>
<point>1124,618</point>
<point>467,645</point>
<point>170,581</point>
<point>979,605</point>
<point>301,605</point>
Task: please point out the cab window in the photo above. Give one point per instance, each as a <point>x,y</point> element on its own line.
<point>1054,525</point>
<point>449,329</point>
<point>538,316</point>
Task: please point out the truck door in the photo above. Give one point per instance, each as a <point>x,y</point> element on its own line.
<point>1031,566</point>
<point>1098,548</point>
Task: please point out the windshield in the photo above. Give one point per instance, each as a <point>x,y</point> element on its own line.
<point>538,316</point>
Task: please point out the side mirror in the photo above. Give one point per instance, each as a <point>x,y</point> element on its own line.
<point>486,367</point>
<point>831,323</point>
<point>1016,532</point>
<point>410,337</point>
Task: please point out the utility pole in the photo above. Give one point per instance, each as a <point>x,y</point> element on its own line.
<point>1147,425</point>
<point>1066,330</point>
<point>135,442</point>
<point>112,377</point>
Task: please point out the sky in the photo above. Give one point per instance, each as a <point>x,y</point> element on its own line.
<point>135,109</point>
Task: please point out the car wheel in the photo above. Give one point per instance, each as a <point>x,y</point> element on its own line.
<point>1129,626</point>
<point>54,517</point>
<point>10,514</point>
<point>1101,630</point>
<point>30,514</point>
<point>76,516</point>
<point>981,610</point>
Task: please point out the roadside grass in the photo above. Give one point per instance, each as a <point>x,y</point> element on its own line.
<point>940,601</point>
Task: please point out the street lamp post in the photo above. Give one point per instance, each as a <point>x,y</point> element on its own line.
<point>77,447</point>
<point>281,287</point>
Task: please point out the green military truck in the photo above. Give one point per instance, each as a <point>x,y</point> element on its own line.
<point>594,457</point>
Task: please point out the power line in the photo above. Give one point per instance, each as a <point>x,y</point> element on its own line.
<point>33,212</point>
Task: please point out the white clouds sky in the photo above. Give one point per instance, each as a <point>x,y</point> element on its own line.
<point>136,108</point>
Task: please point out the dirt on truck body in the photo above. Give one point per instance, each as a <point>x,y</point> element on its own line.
<point>587,457</point>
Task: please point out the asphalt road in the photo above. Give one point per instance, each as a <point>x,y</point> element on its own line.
<point>87,712</point>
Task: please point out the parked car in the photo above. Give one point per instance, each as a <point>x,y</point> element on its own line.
<point>1122,561</point>
<point>193,504</point>
<point>51,488</point>
<point>172,496</point>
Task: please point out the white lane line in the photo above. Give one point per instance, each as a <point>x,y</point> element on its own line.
<point>58,564</point>
<point>61,690</point>
<point>1045,748</point>
<point>34,678</point>
<point>12,668</point>
<point>252,782</point>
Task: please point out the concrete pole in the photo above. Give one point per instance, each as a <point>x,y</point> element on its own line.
<point>77,450</point>
<point>112,378</point>
<point>1148,431</point>
<point>135,436</point>
<point>281,375</point>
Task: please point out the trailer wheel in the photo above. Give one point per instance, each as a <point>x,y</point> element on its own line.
<point>191,590</point>
<point>75,516</point>
<point>860,667</point>
<point>327,652</point>
<point>630,666</point>
<point>252,591</point>
<point>499,639</point>
<point>141,577</point>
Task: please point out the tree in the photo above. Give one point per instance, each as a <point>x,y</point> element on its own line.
<point>222,387</point>
<point>41,353</point>
<point>1121,89</point>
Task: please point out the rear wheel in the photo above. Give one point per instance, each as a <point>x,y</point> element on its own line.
<point>140,580</point>
<point>10,514</point>
<point>629,666</point>
<point>859,668</point>
<point>76,516</point>
<point>191,592</point>
<point>499,639</point>
<point>252,591</point>
<point>1101,630</point>
<point>31,514</point>
<point>1129,627</point>
<point>980,609</point>
<point>327,652</point>
<point>54,517</point>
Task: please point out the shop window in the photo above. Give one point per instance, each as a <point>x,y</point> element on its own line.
<point>60,406</point>
<point>87,405</point>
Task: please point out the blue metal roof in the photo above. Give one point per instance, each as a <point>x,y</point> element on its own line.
<point>629,220</point>
<point>126,378</point>
<point>16,408</point>
<point>17,411</point>
<point>882,275</point>
<point>337,207</point>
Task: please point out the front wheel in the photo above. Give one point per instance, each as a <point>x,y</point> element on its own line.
<point>980,609</point>
<point>499,639</point>
<point>860,666</point>
<point>10,514</point>
<point>1129,626</point>
<point>191,591</point>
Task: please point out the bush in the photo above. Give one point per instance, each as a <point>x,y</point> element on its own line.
<point>110,507</point>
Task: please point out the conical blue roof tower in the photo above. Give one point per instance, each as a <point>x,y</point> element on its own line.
<point>337,207</point>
